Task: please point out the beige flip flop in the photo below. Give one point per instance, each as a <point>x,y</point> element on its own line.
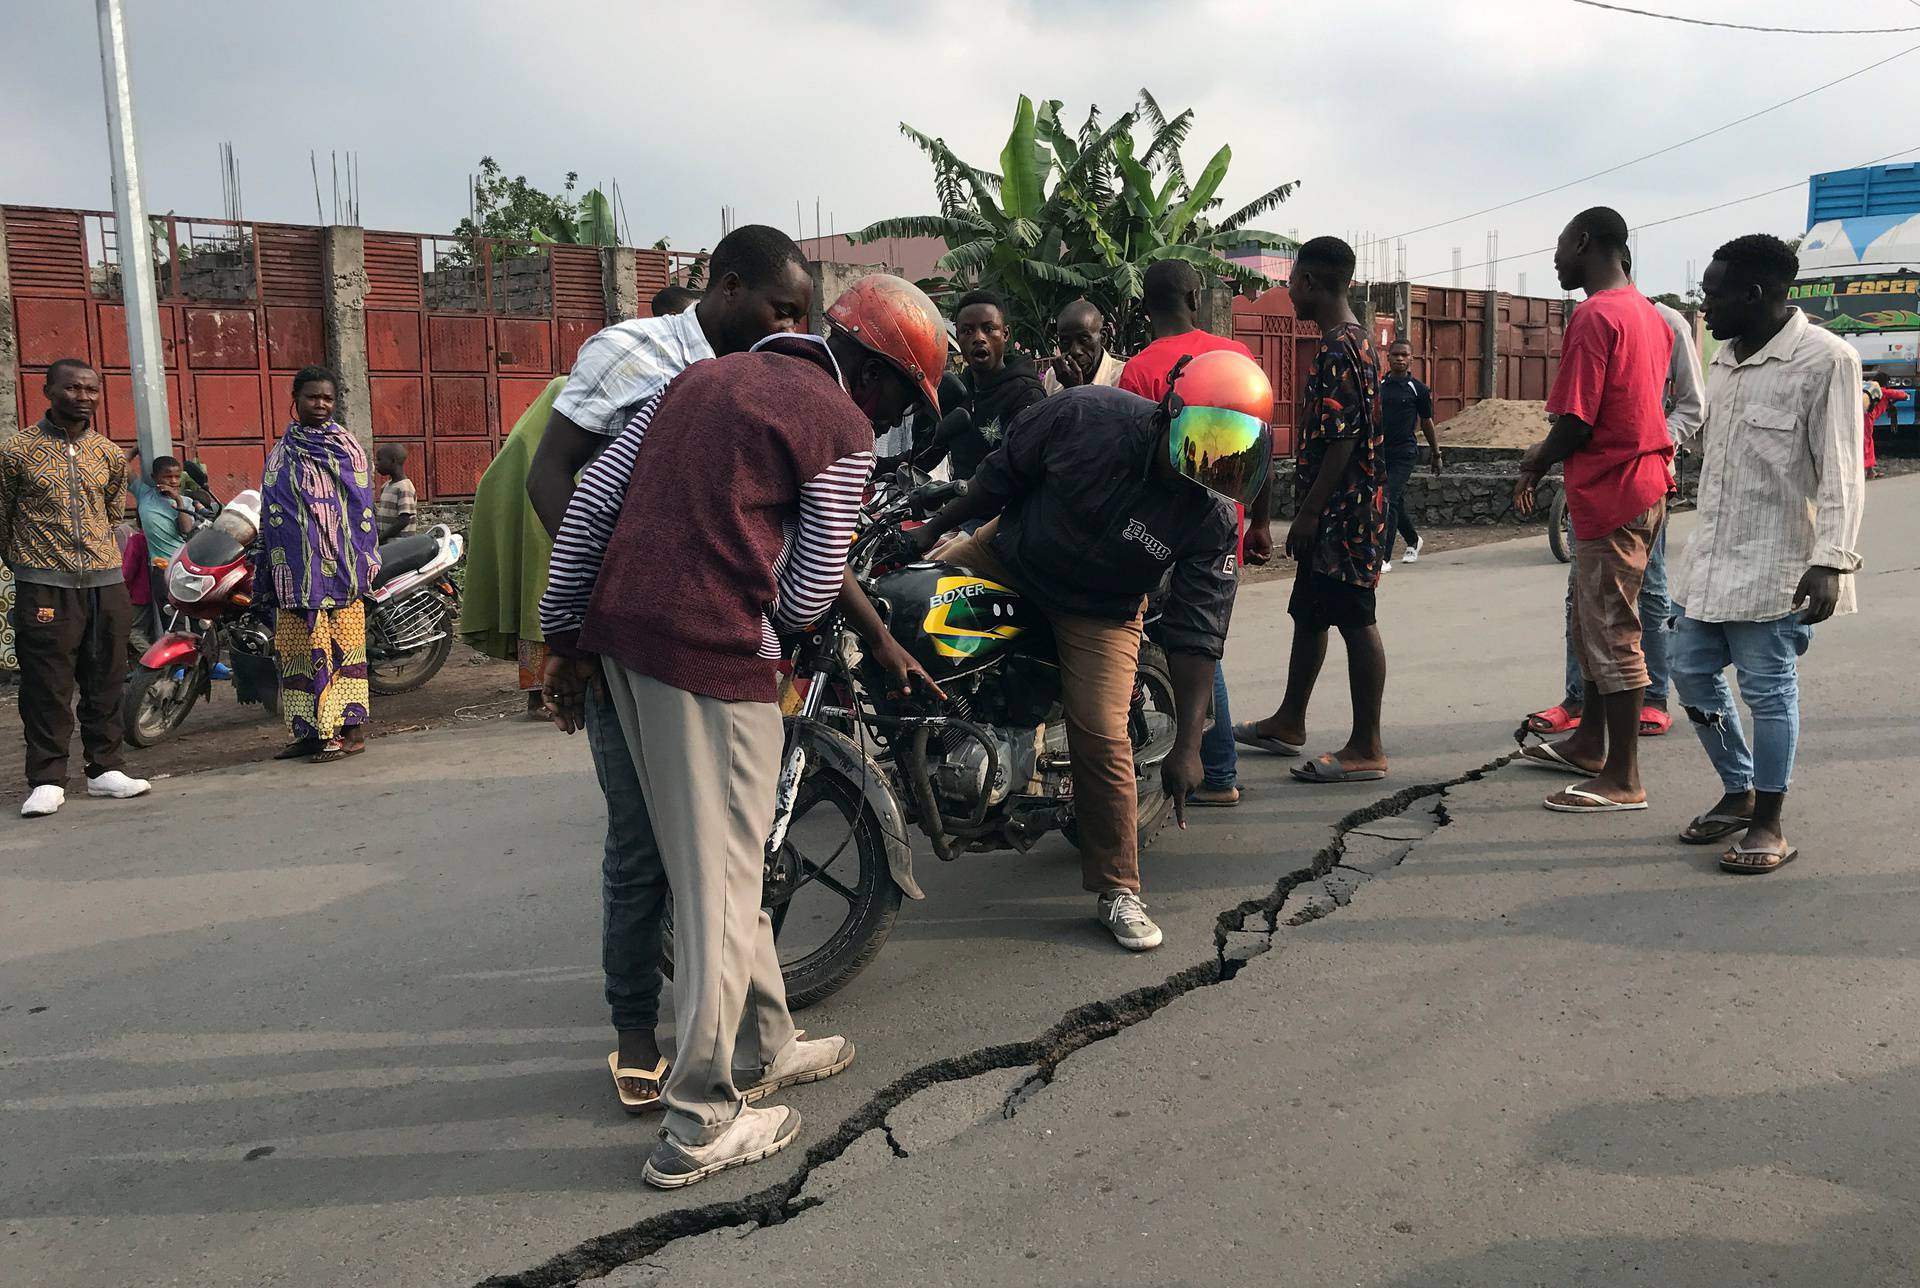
<point>637,1104</point>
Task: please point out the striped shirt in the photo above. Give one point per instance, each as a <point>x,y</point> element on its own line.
<point>1782,484</point>
<point>623,365</point>
<point>808,573</point>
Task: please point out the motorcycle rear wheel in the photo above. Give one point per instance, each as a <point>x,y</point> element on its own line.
<point>857,877</point>
<point>158,701</point>
<point>409,671</point>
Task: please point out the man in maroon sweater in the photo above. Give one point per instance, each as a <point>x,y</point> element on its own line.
<point>744,457</point>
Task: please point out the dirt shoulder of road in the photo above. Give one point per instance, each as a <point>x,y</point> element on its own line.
<point>221,732</point>
<point>1433,541</point>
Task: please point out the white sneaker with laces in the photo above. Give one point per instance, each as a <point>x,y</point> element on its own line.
<point>1413,551</point>
<point>1122,913</point>
<point>118,786</point>
<point>43,800</point>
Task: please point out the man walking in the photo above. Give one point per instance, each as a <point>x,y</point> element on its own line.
<point>1081,357</point>
<point>1782,489</point>
<point>1405,403</point>
<point>62,489</point>
<point>1340,525</point>
<point>744,491</point>
<point>1610,427</point>
<point>759,286</point>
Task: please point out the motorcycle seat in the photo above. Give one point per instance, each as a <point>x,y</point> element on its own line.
<point>403,555</point>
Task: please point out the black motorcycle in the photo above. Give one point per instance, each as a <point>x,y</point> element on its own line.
<point>986,769</point>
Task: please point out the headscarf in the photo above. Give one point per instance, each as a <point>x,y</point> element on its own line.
<point>316,519</point>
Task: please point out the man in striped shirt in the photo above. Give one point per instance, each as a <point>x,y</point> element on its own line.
<point>1782,488</point>
<point>725,520</point>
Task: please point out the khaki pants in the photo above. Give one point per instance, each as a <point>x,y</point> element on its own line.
<point>1098,658</point>
<point>1605,616</point>
<point>708,771</point>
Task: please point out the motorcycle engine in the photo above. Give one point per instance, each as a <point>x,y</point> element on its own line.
<point>960,775</point>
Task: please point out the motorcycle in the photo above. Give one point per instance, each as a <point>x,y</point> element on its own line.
<point>986,769</point>
<point>410,617</point>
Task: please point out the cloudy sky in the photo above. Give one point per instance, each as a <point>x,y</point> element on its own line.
<point>1394,114</point>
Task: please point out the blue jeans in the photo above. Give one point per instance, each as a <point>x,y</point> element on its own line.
<point>1218,755</point>
<point>633,881</point>
<point>1766,658</point>
<point>1656,614</point>
<point>1399,470</point>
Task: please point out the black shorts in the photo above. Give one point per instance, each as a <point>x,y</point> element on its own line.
<point>1323,602</point>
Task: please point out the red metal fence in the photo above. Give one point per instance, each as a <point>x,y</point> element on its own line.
<point>461,335</point>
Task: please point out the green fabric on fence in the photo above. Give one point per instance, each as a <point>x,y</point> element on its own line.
<point>507,549</point>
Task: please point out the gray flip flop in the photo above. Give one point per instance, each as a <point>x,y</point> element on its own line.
<point>1722,826</point>
<point>1319,771</point>
<point>1248,736</point>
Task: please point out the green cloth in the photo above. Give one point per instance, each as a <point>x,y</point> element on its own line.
<point>507,548</point>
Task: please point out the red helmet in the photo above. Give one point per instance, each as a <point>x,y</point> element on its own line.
<point>1219,409</point>
<point>895,319</point>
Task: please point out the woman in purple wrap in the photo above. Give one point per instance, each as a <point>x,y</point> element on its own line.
<point>320,553</point>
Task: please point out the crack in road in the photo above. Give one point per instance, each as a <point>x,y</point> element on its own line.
<point>1241,932</point>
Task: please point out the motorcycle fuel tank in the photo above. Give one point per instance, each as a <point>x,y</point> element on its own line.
<point>950,620</point>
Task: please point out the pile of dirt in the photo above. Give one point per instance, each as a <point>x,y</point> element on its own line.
<point>1496,422</point>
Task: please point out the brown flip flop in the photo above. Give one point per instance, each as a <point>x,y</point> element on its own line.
<point>1743,861</point>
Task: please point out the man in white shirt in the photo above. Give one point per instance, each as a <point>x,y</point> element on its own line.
<point>1080,350</point>
<point>1782,488</point>
<point>758,285</point>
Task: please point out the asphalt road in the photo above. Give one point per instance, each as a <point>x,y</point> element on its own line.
<point>274,1027</point>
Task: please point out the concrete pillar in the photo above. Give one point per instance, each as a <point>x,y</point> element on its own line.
<point>1216,311</point>
<point>619,283</point>
<point>343,259</point>
<point>1403,310</point>
<point>9,349</point>
<point>829,280</point>
<point>1490,348</point>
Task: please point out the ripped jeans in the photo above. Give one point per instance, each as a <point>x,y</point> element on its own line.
<point>1765,657</point>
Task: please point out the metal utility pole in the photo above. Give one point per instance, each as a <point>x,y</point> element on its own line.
<point>138,289</point>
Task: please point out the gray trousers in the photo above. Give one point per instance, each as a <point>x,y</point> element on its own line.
<point>708,770</point>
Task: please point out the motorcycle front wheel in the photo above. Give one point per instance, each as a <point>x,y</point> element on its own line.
<point>157,701</point>
<point>830,893</point>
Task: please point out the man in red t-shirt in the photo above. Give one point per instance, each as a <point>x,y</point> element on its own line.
<point>1610,427</point>
<point>1170,294</point>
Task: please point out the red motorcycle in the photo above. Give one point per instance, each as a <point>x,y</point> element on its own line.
<point>209,614</point>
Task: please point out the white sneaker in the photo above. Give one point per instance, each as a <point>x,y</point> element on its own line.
<point>802,1062</point>
<point>43,800</point>
<point>754,1135</point>
<point>1122,913</point>
<point>1386,565</point>
<point>117,785</point>
<point>1413,551</point>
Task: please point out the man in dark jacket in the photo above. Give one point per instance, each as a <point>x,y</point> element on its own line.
<point>998,387</point>
<point>1099,492</point>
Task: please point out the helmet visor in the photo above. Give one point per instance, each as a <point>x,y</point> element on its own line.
<point>1226,452</point>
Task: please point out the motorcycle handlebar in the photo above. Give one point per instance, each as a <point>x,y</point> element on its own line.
<point>934,495</point>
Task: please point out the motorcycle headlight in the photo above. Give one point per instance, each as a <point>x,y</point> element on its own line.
<point>185,585</point>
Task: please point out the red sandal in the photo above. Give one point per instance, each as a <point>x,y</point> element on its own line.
<point>1554,720</point>
<point>1654,722</point>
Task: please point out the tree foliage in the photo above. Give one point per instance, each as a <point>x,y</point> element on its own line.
<point>514,209</point>
<point>1085,212</point>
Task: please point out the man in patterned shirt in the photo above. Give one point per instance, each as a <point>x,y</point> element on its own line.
<point>1340,525</point>
<point>62,488</point>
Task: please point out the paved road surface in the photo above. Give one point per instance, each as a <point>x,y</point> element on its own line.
<point>279,1027</point>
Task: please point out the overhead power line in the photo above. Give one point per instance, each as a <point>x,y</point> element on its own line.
<point>1743,26</point>
<point>1670,219</point>
<point>1671,147</point>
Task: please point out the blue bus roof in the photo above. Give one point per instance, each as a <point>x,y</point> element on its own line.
<point>1871,190</point>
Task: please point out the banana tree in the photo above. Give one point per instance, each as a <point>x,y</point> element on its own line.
<point>590,224</point>
<point>1081,213</point>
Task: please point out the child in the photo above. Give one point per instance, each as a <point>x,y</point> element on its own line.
<point>398,503</point>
